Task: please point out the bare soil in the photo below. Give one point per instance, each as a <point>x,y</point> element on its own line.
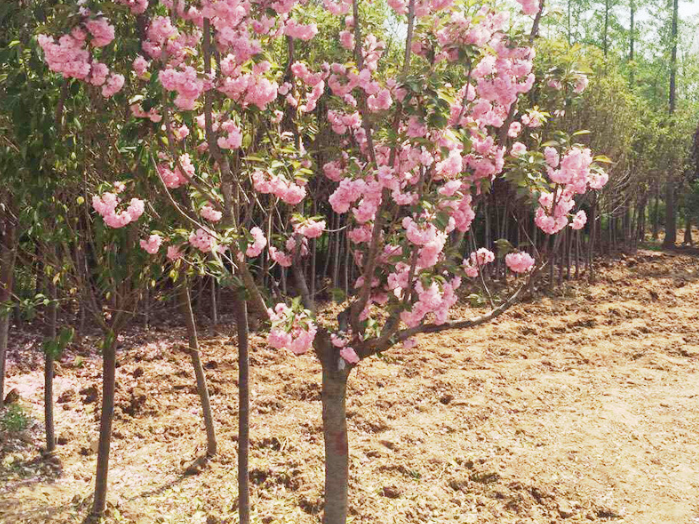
<point>579,407</point>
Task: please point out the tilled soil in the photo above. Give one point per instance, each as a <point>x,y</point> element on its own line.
<point>581,407</point>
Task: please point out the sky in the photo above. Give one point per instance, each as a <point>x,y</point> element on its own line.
<point>688,10</point>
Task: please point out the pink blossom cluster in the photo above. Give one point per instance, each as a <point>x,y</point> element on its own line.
<point>429,238</point>
<point>309,227</point>
<point>70,55</point>
<point>174,253</point>
<point>174,178</point>
<point>152,244</point>
<point>185,82</point>
<point>210,214</point>
<point>346,352</point>
<point>152,114</point>
<point>106,207</point>
<point>289,192</point>
<point>280,257</point>
<point>432,299</point>
<point>573,175</point>
<point>258,244</point>
<point>234,138</point>
<point>477,260</point>
<point>521,262</point>
<point>529,7</point>
<point>301,31</point>
<point>203,240</point>
<point>291,330</point>
<point>245,88</point>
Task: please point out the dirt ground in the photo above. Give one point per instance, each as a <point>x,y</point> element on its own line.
<point>579,407</point>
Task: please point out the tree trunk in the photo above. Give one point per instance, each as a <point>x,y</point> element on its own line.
<point>673,58</point>
<point>8,256</point>
<point>688,232</point>
<point>670,215</point>
<point>656,213</point>
<point>214,303</point>
<point>632,36</point>
<point>243,411</point>
<point>48,403</point>
<point>48,372</point>
<point>186,306</point>
<point>592,239</point>
<point>108,383</point>
<point>334,394</point>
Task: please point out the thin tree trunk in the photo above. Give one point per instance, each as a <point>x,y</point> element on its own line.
<point>202,389</point>
<point>656,213</point>
<point>632,37</point>
<point>673,58</point>
<point>243,411</point>
<point>688,232</point>
<point>8,255</point>
<point>48,372</point>
<point>107,416</point>
<point>670,215</point>
<point>146,306</point>
<point>591,243</point>
<point>214,303</point>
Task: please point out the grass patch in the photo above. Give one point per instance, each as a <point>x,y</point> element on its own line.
<point>14,419</point>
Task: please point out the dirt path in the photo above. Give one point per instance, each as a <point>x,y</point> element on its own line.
<point>577,408</point>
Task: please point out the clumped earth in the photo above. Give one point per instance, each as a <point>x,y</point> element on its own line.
<point>579,407</point>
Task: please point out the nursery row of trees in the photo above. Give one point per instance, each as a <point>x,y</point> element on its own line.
<point>151,151</point>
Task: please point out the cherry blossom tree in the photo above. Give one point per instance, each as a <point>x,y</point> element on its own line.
<point>238,98</point>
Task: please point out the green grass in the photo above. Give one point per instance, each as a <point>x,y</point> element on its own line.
<point>14,419</point>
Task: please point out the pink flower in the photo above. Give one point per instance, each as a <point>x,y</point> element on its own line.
<point>102,33</point>
<point>173,253</point>
<point>291,330</point>
<point>579,220</point>
<point>300,31</point>
<point>113,85</point>
<point>520,262</point>
<point>349,355</point>
<point>209,213</point>
<point>106,207</point>
<point>98,74</point>
<point>140,66</point>
<point>477,260</point>
<point>551,156</point>
<point>514,129</point>
<point>581,83</point>
<point>202,240</point>
<point>529,7</point>
<point>152,244</point>
<point>518,149</point>
<point>259,242</point>
<point>280,257</point>
<point>347,40</point>
<point>310,228</point>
